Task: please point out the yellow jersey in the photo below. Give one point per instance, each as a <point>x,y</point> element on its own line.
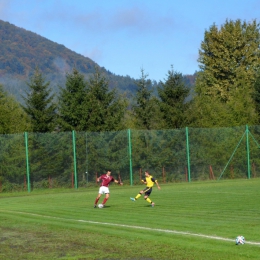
<point>149,181</point>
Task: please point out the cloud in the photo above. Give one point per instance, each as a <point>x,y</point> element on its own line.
<point>95,54</point>
<point>55,16</point>
<point>4,6</point>
<point>61,65</point>
<point>137,19</point>
<point>140,20</point>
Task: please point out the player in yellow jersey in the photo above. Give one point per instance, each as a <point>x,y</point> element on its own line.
<point>149,181</point>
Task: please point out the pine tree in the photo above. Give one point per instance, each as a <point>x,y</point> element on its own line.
<point>90,105</point>
<point>39,104</point>
<point>72,103</point>
<point>106,109</point>
<point>173,94</point>
<point>145,104</point>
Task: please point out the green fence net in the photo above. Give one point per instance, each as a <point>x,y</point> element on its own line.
<point>31,161</point>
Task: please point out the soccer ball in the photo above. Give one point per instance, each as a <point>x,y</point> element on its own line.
<point>240,240</point>
<point>100,206</point>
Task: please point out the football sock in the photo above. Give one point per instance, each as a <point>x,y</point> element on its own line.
<point>96,201</point>
<point>104,201</point>
<point>138,196</point>
<point>147,199</point>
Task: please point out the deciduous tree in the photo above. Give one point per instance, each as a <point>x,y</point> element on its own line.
<point>229,62</point>
<point>12,117</point>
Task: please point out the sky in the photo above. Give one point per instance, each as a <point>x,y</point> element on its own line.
<point>125,36</point>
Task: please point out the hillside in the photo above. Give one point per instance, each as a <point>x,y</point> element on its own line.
<point>22,51</point>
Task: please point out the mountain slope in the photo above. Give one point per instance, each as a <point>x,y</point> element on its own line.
<point>22,51</point>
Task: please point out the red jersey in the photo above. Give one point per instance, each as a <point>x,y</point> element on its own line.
<point>106,179</point>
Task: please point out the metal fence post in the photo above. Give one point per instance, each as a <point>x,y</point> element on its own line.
<point>130,156</point>
<point>27,162</point>
<point>75,159</point>
<point>188,152</point>
<point>248,152</point>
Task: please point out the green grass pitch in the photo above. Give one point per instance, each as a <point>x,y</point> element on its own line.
<point>198,220</point>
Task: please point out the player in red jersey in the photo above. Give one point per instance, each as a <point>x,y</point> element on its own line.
<point>105,181</point>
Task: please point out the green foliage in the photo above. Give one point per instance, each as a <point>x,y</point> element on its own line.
<point>12,117</point>
<point>106,108</point>
<point>256,95</point>
<point>158,149</point>
<point>90,105</point>
<point>229,60</point>
<point>107,150</point>
<point>227,53</point>
<point>145,104</point>
<point>12,162</point>
<point>173,94</point>
<point>51,156</point>
<point>39,104</point>
<point>72,103</point>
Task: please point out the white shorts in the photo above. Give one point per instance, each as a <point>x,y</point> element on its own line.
<point>103,190</point>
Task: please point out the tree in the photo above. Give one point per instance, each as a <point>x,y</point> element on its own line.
<point>12,117</point>
<point>256,95</point>
<point>72,103</point>
<point>145,104</point>
<point>39,104</point>
<point>106,109</point>
<point>229,62</point>
<point>173,94</point>
<point>89,105</point>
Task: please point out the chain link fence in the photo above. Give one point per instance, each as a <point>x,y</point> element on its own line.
<point>31,161</point>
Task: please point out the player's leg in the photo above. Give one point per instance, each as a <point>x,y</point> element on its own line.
<point>97,199</point>
<point>138,195</point>
<point>100,192</point>
<point>146,196</point>
<point>106,192</point>
<point>105,199</point>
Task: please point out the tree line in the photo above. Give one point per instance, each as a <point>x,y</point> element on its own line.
<point>226,93</point>
<point>89,105</point>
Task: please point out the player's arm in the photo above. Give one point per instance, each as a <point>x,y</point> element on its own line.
<point>118,182</point>
<point>143,181</point>
<point>157,184</point>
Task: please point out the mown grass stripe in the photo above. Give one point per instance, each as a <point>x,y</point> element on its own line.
<point>133,227</point>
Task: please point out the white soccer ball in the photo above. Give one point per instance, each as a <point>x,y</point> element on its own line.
<point>240,240</point>
<point>100,206</point>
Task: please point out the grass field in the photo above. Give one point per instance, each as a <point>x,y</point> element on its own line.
<point>198,220</point>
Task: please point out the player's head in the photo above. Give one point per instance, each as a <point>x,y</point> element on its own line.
<point>146,173</point>
<point>108,172</point>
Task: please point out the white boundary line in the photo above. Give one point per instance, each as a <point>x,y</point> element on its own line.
<point>133,227</point>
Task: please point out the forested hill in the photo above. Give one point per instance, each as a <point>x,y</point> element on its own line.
<point>22,51</point>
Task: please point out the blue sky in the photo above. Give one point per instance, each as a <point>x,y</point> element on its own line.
<point>126,35</point>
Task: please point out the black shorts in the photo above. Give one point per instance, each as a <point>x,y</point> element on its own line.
<point>147,191</point>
